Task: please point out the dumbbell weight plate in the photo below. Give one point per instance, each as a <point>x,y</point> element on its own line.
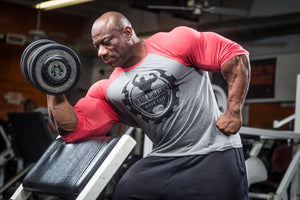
<point>27,54</point>
<point>54,68</point>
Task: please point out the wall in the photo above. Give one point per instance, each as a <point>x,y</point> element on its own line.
<point>262,115</point>
<point>20,20</point>
<point>286,69</point>
<point>286,51</point>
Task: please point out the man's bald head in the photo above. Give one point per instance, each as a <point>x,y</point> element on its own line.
<point>119,20</point>
<point>111,20</point>
<point>116,41</point>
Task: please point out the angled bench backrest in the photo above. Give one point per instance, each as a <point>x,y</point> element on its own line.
<point>31,134</point>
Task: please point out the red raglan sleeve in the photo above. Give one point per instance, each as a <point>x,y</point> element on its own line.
<point>95,115</point>
<point>209,51</point>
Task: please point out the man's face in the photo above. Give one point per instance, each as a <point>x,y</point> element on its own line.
<point>111,44</point>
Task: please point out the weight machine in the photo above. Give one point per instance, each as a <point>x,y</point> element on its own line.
<point>291,178</point>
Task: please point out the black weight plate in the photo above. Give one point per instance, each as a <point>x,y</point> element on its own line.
<point>40,58</point>
<point>27,53</point>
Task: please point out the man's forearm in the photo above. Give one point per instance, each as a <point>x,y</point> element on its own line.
<point>237,74</point>
<point>62,114</point>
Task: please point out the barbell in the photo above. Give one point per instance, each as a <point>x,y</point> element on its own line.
<point>51,67</point>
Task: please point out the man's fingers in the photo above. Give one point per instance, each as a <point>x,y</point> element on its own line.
<point>227,125</point>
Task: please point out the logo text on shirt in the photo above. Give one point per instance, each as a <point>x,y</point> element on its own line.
<point>152,95</point>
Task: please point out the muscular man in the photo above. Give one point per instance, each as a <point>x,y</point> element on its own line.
<point>162,86</point>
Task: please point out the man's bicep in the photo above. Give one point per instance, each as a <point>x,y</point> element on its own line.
<point>237,64</point>
<point>95,118</point>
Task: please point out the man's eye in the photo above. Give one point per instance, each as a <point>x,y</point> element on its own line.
<point>106,42</point>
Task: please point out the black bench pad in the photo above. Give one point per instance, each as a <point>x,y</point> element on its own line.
<point>64,169</point>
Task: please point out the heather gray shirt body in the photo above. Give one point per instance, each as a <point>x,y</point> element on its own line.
<point>173,104</point>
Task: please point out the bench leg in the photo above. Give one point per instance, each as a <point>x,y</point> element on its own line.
<point>20,194</point>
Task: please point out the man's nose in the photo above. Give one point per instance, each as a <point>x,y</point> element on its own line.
<point>102,51</point>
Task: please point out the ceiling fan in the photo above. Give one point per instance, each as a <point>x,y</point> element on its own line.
<point>37,33</point>
<point>197,7</point>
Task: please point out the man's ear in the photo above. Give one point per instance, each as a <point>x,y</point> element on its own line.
<point>127,32</point>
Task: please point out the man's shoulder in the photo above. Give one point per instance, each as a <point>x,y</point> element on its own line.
<point>174,44</point>
<point>177,31</point>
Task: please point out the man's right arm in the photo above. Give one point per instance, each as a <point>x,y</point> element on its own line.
<point>62,114</point>
<point>92,116</point>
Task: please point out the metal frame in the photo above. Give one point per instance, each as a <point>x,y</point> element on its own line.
<point>5,156</point>
<point>297,106</point>
<point>269,134</point>
<point>148,146</point>
<point>278,124</point>
<point>8,152</point>
<point>292,174</point>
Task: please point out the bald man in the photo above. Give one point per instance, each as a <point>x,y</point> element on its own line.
<point>161,85</point>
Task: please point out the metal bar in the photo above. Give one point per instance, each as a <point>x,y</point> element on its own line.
<point>20,194</point>
<point>267,133</point>
<point>7,142</point>
<point>260,195</point>
<point>6,155</point>
<point>278,124</point>
<point>295,184</point>
<point>148,146</point>
<point>256,147</point>
<point>289,175</point>
<point>129,131</point>
<point>169,7</point>
<point>15,178</point>
<point>297,106</point>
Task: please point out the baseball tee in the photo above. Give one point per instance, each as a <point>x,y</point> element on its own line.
<point>167,94</point>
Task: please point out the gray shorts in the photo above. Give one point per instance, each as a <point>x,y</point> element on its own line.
<point>219,175</point>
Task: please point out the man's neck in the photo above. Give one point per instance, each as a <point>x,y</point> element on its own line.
<point>139,51</point>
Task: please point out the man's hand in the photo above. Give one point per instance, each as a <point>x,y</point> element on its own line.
<point>229,123</point>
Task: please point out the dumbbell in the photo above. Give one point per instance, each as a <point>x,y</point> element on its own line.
<point>51,67</point>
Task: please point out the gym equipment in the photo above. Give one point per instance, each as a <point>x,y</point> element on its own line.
<point>76,170</point>
<point>255,168</point>
<point>31,137</point>
<point>53,68</point>
<point>289,187</point>
<point>28,52</point>
<point>6,154</point>
<point>31,134</point>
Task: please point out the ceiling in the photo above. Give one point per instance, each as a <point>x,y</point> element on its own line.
<point>260,14</point>
<point>263,19</point>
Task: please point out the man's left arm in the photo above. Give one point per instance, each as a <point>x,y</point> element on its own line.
<point>236,71</point>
